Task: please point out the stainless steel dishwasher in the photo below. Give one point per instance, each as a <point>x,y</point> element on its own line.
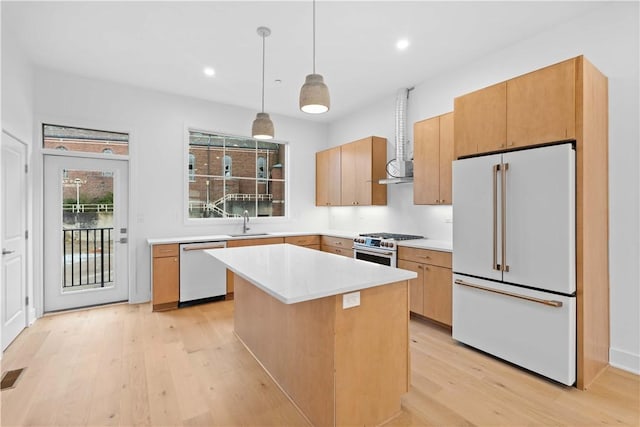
<point>201,275</point>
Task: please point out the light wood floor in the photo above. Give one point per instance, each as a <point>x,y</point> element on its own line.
<point>123,365</point>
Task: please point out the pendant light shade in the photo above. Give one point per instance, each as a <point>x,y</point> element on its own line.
<point>262,126</point>
<point>314,94</point>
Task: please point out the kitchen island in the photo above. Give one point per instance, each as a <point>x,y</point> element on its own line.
<point>331,331</point>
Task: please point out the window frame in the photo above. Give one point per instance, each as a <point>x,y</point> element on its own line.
<point>220,221</point>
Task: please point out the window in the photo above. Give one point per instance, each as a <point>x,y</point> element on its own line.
<point>235,174</point>
<point>68,138</point>
<point>192,167</point>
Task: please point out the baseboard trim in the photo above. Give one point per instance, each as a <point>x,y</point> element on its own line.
<point>624,360</point>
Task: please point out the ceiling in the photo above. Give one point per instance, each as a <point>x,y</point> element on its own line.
<point>166,45</point>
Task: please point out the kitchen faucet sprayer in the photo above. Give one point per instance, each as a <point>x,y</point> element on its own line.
<point>245,220</point>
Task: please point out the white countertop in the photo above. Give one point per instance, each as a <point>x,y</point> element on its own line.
<point>294,274</point>
<point>227,237</point>
<point>435,245</point>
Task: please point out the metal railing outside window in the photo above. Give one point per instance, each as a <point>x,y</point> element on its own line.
<point>87,256</point>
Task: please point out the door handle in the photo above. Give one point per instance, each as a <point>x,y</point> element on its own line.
<point>496,266</point>
<point>6,251</point>
<point>123,240</point>
<point>505,168</point>
<point>552,303</point>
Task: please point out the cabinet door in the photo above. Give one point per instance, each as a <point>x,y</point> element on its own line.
<point>166,276</point>
<point>446,157</point>
<point>541,106</point>
<point>437,293</point>
<point>426,154</point>
<point>481,121</point>
<point>322,178</point>
<point>348,173</point>
<point>255,242</point>
<point>416,286</point>
<point>363,163</point>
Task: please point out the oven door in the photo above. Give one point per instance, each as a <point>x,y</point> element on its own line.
<point>383,257</point>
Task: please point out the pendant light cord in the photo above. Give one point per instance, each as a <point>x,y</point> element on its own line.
<point>263,72</point>
<point>314,36</point>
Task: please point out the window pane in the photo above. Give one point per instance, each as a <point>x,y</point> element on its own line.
<point>85,140</point>
<point>238,171</point>
<point>277,191</point>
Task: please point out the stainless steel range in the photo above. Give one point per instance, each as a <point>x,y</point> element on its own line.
<point>380,248</point>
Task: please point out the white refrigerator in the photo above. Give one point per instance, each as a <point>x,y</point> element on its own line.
<point>514,286</point>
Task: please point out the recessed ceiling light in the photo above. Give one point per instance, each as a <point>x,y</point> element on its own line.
<point>209,71</point>
<point>402,44</point>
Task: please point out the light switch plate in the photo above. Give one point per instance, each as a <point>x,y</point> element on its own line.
<point>350,300</point>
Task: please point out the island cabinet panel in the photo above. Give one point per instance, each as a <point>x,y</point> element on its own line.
<point>430,293</point>
<point>247,242</point>
<point>541,106</point>
<point>166,277</point>
<point>481,121</point>
<point>433,154</point>
<point>339,366</point>
<point>328,167</point>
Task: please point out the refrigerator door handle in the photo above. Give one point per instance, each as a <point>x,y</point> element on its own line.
<point>496,266</point>
<point>504,168</point>
<point>551,303</point>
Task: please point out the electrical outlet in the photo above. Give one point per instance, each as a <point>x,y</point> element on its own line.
<point>350,300</point>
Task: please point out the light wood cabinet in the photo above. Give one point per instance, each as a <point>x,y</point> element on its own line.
<point>481,121</point>
<point>166,277</point>
<point>535,108</point>
<point>362,165</point>
<point>307,241</point>
<point>328,177</point>
<point>254,242</point>
<point>541,106</point>
<point>429,293</point>
<point>433,154</point>
<point>337,245</point>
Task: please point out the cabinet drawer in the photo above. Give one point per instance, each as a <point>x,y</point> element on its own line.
<point>303,240</point>
<point>254,242</point>
<point>348,252</point>
<point>165,250</point>
<point>337,242</point>
<point>425,256</point>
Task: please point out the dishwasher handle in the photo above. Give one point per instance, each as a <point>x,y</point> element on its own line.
<point>205,246</point>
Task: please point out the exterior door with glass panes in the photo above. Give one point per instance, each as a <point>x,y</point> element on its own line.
<point>85,223</point>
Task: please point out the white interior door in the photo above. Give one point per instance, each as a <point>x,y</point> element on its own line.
<point>476,215</point>
<point>85,232</point>
<point>14,212</point>
<point>540,218</point>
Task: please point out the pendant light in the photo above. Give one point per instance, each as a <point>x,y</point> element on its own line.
<point>262,126</point>
<point>314,95</point>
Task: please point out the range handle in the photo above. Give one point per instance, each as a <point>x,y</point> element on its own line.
<point>552,303</point>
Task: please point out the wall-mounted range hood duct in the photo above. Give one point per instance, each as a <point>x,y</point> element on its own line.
<point>400,169</point>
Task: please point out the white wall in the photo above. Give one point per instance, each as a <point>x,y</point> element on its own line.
<point>608,37</point>
<point>17,120</point>
<point>156,122</point>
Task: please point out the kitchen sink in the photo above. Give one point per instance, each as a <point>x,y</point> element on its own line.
<point>249,234</point>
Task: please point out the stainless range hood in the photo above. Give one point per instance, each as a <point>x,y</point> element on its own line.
<point>400,169</point>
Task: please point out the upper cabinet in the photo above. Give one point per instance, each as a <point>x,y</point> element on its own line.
<point>348,175</point>
<point>481,121</point>
<point>432,157</point>
<point>328,177</point>
<point>363,165</point>
<point>541,106</point>
<point>532,109</point>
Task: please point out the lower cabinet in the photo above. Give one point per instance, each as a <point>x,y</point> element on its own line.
<point>166,277</point>
<point>430,292</point>
<point>308,241</point>
<point>337,245</point>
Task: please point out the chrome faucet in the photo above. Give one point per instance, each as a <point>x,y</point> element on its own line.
<point>245,220</point>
